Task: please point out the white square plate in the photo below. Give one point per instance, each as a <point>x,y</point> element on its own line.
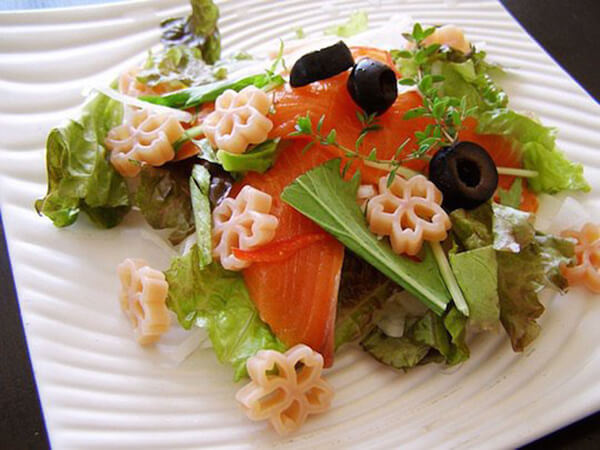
<point>100,390</point>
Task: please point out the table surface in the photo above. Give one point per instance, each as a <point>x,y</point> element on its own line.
<point>574,47</point>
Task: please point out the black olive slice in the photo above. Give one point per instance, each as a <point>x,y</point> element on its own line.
<point>324,63</point>
<point>465,173</point>
<point>372,86</point>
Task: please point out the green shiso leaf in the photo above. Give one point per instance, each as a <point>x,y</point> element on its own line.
<point>323,196</point>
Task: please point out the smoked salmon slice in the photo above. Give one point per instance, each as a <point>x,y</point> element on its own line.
<point>296,297</point>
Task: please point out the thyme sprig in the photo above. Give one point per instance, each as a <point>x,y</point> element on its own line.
<point>304,127</point>
<point>448,113</point>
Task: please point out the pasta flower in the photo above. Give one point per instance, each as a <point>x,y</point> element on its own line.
<point>145,137</point>
<point>409,212</point>
<point>285,387</point>
<point>143,299</point>
<point>244,223</point>
<point>587,252</point>
<point>239,119</point>
<point>129,85</point>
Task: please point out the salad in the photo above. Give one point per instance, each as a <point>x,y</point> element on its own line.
<point>343,195</point>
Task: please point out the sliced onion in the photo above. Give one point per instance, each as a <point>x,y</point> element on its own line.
<point>571,215</point>
<point>182,116</point>
<point>178,344</point>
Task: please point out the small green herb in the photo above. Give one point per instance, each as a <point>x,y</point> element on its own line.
<point>447,112</point>
<point>304,128</point>
<point>300,34</point>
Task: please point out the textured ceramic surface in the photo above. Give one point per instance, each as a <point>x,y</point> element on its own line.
<point>100,390</point>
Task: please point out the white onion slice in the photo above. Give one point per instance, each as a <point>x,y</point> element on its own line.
<point>178,344</point>
<point>571,215</point>
<point>182,116</point>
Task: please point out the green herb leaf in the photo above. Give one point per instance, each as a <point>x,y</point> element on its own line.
<point>413,113</point>
<point>407,81</point>
<point>258,159</point>
<point>357,23</point>
<point>331,137</point>
<point>218,300</point>
<point>324,197</point>
<point>199,191</point>
<point>80,176</point>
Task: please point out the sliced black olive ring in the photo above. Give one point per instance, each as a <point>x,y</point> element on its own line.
<point>322,64</point>
<point>373,86</point>
<point>465,173</point>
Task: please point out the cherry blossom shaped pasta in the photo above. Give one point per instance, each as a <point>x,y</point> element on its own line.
<point>285,388</point>
<point>129,85</point>
<point>239,119</point>
<point>587,252</point>
<point>144,137</point>
<point>244,223</point>
<point>409,212</point>
<point>143,299</point>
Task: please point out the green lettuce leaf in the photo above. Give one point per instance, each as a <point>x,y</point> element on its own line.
<point>512,197</point>
<point>513,229</point>
<point>538,147</point>
<point>178,67</point>
<point>80,175</point>
<point>199,30</point>
<point>473,228</point>
<point>323,196</point>
<point>195,96</point>
<point>472,79</point>
<point>363,292</point>
<point>426,339</point>
<point>400,353</point>
<point>456,324</point>
<point>217,299</point>
<point>200,191</point>
<point>357,23</point>
<point>258,159</point>
<point>163,198</point>
<point>477,274</point>
<point>521,275</point>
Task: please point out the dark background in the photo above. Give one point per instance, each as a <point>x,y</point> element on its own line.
<point>568,30</point>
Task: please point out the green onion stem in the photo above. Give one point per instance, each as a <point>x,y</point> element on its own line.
<point>524,173</point>
<point>401,170</point>
<point>449,279</point>
<point>188,134</point>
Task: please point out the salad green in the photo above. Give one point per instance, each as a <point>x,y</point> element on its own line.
<point>199,30</point>
<point>527,262</point>
<point>404,311</point>
<point>323,196</point>
<point>80,176</point>
<point>217,299</point>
